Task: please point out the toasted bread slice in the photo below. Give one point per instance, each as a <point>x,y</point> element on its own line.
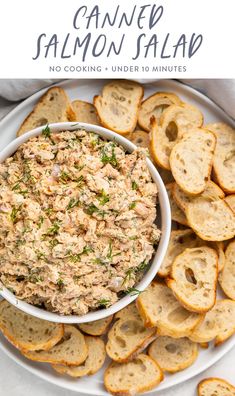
<point>153,106</point>
<point>96,328</point>
<point>127,338</point>
<point>191,160</point>
<point>71,350</point>
<point>93,363</point>
<point>166,175</point>
<point>54,106</point>
<point>118,105</point>
<point>215,387</point>
<point>85,112</point>
<point>172,354</point>
<point>179,241</point>
<point>219,323</point>
<point>176,213</point>
<point>227,276</point>
<point>139,375</point>
<point>159,308</point>
<point>211,220</point>
<point>174,122</point>
<point>193,278</point>
<point>129,311</point>
<point>230,200</point>
<point>219,247</point>
<point>27,332</point>
<point>182,199</point>
<point>224,158</point>
<point>140,138</point>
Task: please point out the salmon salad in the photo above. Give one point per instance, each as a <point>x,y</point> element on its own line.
<point>77,221</point>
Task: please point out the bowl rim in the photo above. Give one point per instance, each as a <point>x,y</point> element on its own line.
<point>160,251</point>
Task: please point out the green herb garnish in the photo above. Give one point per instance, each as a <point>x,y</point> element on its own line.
<point>103,198</point>
<point>104,302</point>
<point>109,159</point>
<point>14,213</point>
<point>54,229</point>
<point>132,205</point>
<point>133,291</point>
<point>134,185</point>
<point>72,203</point>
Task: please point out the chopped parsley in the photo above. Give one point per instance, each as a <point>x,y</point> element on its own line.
<point>103,198</point>
<point>72,203</point>
<point>109,159</point>
<point>132,291</point>
<point>134,185</point>
<point>46,132</point>
<point>41,221</point>
<point>54,229</point>
<point>132,205</point>
<point>14,214</point>
<point>104,302</point>
<point>60,283</point>
<point>93,209</point>
<point>18,189</point>
<point>77,257</point>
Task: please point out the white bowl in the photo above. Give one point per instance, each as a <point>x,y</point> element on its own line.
<point>165,226</point>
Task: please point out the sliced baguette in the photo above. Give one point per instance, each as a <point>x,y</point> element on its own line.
<point>191,160</point>
<point>153,106</point>
<point>172,354</point>
<point>118,105</point>
<point>219,247</point>
<point>179,241</point>
<point>166,175</point>
<point>140,138</point>
<point>215,387</point>
<point>159,308</point>
<point>224,158</point>
<point>127,338</point>
<point>174,122</point>
<point>96,328</point>
<point>211,220</point>
<point>219,323</point>
<point>54,106</point>
<point>230,200</point>
<point>85,112</point>
<point>182,199</point>
<point>176,213</point>
<point>93,363</point>
<point>193,278</point>
<point>26,332</point>
<point>71,350</point>
<point>129,311</point>
<point>227,276</point>
<point>137,376</point>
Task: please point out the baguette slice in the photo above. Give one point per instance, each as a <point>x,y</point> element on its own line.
<point>129,311</point>
<point>211,220</point>
<point>166,175</point>
<point>118,105</point>
<point>54,106</point>
<point>179,241</point>
<point>224,158</point>
<point>219,323</point>
<point>174,122</point>
<point>219,247</point>
<point>182,199</point>
<point>193,278</point>
<point>153,106</point>
<point>140,138</point>
<point>191,160</point>
<point>215,387</point>
<point>230,200</point>
<point>176,212</point>
<point>137,376</point>
<point>227,276</point>
<point>127,338</point>
<point>159,308</point>
<point>172,354</point>
<point>96,328</point>
<point>85,112</point>
<point>71,350</point>
<point>26,332</point>
<point>93,363</point>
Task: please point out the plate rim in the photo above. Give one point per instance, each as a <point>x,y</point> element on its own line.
<point>225,348</point>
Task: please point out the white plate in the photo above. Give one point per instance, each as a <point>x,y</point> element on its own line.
<point>85,89</point>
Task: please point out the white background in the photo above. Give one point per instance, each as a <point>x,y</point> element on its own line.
<point>21,21</point>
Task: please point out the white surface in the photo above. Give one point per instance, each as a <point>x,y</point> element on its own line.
<point>207,357</point>
<point>164,212</point>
